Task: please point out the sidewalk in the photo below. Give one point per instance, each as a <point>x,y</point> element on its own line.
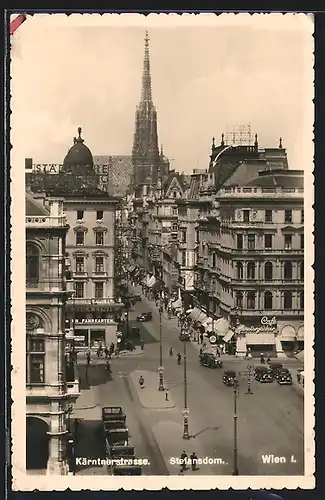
<point>86,407</point>
<point>150,397</point>
<point>82,356</point>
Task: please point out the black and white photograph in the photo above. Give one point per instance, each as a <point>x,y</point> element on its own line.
<point>163,283</point>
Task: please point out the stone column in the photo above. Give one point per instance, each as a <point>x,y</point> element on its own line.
<point>56,464</point>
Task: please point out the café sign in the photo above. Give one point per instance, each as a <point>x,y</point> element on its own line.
<point>267,325</point>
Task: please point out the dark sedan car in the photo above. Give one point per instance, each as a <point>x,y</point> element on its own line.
<point>138,297</point>
<point>229,378</point>
<point>263,375</point>
<point>210,360</point>
<point>274,367</point>
<point>144,317</point>
<point>284,377</point>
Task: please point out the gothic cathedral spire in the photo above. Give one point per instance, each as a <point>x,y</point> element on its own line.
<point>145,152</point>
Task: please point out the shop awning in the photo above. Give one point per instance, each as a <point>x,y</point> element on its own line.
<point>194,314</point>
<point>260,339</point>
<point>228,336</point>
<point>300,355</point>
<point>131,268</point>
<point>288,334</point>
<point>151,282</point>
<point>221,326</point>
<point>201,318</point>
<point>177,304</point>
<point>300,333</point>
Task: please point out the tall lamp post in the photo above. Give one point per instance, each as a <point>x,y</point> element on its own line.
<point>235,471</point>
<point>161,368</point>
<point>186,411</point>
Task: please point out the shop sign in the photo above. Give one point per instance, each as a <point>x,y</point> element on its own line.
<point>94,320</point>
<point>79,338</point>
<point>267,325</point>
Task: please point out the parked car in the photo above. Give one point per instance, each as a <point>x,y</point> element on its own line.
<point>274,367</point>
<point>144,317</point>
<point>113,413</point>
<point>229,378</point>
<point>138,297</point>
<point>263,375</point>
<point>284,377</point>
<point>210,360</point>
<point>184,336</point>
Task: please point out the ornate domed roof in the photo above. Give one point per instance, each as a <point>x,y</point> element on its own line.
<point>79,154</point>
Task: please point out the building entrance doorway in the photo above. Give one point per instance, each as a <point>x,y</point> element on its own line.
<point>37,443</point>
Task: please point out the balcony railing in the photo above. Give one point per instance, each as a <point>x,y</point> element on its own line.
<point>54,285</point>
<point>45,221</point>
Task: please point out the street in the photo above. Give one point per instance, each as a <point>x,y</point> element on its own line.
<point>270,420</point>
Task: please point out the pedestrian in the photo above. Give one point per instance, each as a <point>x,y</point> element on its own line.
<point>171,351</point>
<point>183,461</point>
<point>141,344</point>
<point>262,360</point>
<point>106,352</point>
<point>141,382</point>
<point>112,347</point>
<point>179,358</point>
<point>201,338</point>
<point>193,458</point>
<point>268,359</point>
<point>88,358</point>
<point>108,367</point>
<point>200,351</point>
<point>298,377</point>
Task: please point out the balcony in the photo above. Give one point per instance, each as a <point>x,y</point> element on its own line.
<point>108,301</point>
<point>100,274</point>
<point>39,285</point>
<point>46,222</point>
<point>80,274</point>
<point>257,224</point>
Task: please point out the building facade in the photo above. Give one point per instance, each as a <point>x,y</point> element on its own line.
<point>52,383</point>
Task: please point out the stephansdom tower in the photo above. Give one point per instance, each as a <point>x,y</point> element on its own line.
<point>146,159</point>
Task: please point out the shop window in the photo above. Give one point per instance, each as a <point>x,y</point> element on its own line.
<point>268,301</point>
<point>287,300</point>
<point>287,241</point>
<point>251,241</point>
<point>302,270</point>
<point>79,287</point>
<point>80,238</point>
<point>239,300</point>
<point>99,238</point>
<point>239,241</point>
<point>99,264</point>
<point>268,241</point>
<point>251,270</point>
<point>80,264</point>
<point>80,215</point>
<point>246,215</point>
<point>251,300</point>
<point>268,271</point>
<point>268,215</point>
<point>301,300</point>
<point>97,338</point>
<point>239,270</point>
<point>32,263</point>
<point>288,216</point>
<point>287,270</point>
<point>99,215</point>
<point>99,290</point>
<point>35,361</point>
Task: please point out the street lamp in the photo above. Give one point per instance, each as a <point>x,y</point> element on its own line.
<point>250,369</point>
<point>235,471</point>
<point>161,368</point>
<point>185,411</point>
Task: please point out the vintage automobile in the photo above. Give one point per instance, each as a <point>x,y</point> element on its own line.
<point>210,360</point>
<point>113,413</point>
<point>263,375</point>
<point>114,424</point>
<point>144,317</point>
<point>284,377</point>
<point>184,336</point>
<point>138,297</point>
<point>274,367</point>
<point>116,437</point>
<point>229,378</point>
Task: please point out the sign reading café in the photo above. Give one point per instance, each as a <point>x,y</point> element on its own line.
<point>267,325</point>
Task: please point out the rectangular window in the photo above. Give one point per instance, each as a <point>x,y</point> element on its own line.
<point>287,241</point>
<point>99,215</point>
<point>80,264</point>
<point>35,361</point>
<point>214,260</point>
<point>302,216</point>
<point>80,214</point>
<point>99,238</point>
<point>183,237</point>
<point>174,211</point>
<point>99,264</point>
<point>302,241</point>
<point>174,227</point>
<point>99,290</point>
<point>288,216</point>
<point>246,215</point>
<point>268,240</point>
<point>251,242</point>
<point>268,215</point>
<point>184,258</point>
<point>80,238</point>
<point>79,287</point>
<point>239,241</point>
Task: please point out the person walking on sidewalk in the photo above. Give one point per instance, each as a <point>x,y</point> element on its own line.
<point>141,382</point>
<point>171,351</point>
<point>88,358</point>
<point>106,352</point>
<point>179,358</point>
<point>201,338</point>
<point>193,458</point>
<point>183,461</point>
<point>141,344</point>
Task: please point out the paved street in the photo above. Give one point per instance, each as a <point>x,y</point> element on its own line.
<point>270,421</point>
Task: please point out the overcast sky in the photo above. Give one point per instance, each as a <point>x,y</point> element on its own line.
<point>208,73</point>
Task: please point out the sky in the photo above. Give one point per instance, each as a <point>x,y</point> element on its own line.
<point>209,73</point>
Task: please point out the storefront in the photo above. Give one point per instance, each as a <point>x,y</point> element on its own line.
<point>258,337</point>
<point>291,336</point>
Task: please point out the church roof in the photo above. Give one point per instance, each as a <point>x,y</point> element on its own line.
<point>33,206</point>
<point>79,154</point>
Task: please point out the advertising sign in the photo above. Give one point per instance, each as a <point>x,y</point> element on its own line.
<point>267,325</point>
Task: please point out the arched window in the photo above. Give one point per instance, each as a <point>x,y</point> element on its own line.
<point>32,263</point>
<point>251,270</point>
<point>239,300</point>
<point>302,270</point>
<point>268,301</point>
<point>239,270</point>
<point>287,300</point>
<point>268,271</point>
<point>251,299</point>
<point>287,270</point>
